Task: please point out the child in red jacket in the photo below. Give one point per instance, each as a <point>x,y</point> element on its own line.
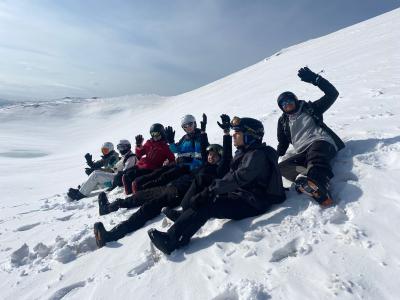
<point>152,155</point>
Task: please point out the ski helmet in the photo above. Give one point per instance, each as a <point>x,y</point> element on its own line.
<point>124,146</point>
<point>287,96</point>
<point>215,148</point>
<point>187,119</point>
<point>253,130</point>
<point>107,147</point>
<point>157,129</point>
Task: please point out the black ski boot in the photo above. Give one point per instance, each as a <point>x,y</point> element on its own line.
<point>162,241</point>
<point>100,234</point>
<point>171,213</point>
<point>103,204</point>
<point>75,194</point>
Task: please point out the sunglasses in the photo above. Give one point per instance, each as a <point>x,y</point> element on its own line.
<point>187,125</point>
<point>285,102</point>
<point>155,134</point>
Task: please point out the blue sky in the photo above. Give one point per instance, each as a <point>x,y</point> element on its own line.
<point>52,49</point>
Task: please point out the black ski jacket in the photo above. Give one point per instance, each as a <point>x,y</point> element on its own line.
<point>254,175</point>
<point>315,110</point>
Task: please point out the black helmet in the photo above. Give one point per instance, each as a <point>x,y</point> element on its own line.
<point>215,148</point>
<point>252,129</point>
<point>286,96</point>
<point>157,128</point>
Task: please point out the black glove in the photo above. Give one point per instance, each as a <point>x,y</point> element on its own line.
<point>89,159</point>
<point>89,171</point>
<point>201,199</point>
<point>170,134</point>
<point>139,140</point>
<point>203,123</point>
<point>307,75</point>
<point>225,123</point>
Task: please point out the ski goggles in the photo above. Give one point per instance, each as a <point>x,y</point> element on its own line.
<point>155,134</point>
<point>122,147</point>
<point>105,150</point>
<point>285,102</point>
<point>187,125</point>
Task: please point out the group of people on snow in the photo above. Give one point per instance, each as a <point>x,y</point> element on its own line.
<point>191,181</point>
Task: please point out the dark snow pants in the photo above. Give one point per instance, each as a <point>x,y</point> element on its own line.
<point>229,206</point>
<point>153,200</point>
<point>160,177</point>
<point>314,163</point>
<point>131,175</point>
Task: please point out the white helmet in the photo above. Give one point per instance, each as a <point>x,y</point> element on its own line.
<point>124,146</point>
<point>188,119</point>
<point>107,147</point>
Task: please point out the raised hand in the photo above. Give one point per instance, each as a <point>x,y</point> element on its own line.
<point>203,123</point>
<point>225,123</point>
<point>139,140</point>
<point>307,75</point>
<point>170,134</point>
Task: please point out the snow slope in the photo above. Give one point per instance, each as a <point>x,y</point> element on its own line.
<point>295,251</point>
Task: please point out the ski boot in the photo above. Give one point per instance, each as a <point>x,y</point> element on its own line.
<point>75,194</point>
<point>171,213</point>
<point>103,204</point>
<point>100,234</point>
<point>162,241</point>
<point>307,186</point>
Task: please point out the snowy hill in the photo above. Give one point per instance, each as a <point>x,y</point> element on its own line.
<point>296,251</point>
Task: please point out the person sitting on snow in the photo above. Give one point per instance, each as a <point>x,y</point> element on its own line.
<point>190,152</point>
<point>102,179</point>
<point>107,161</point>
<point>152,155</point>
<point>301,125</point>
<point>252,185</point>
<point>151,201</point>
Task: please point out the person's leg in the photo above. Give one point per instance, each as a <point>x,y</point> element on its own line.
<point>318,158</point>
<point>230,206</point>
<point>98,177</point>
<point>147,211</point>
<point>154,175</point>
<point>293,166</point>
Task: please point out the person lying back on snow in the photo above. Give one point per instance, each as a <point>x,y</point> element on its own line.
<point>152,200</point>
<point>301,125</point>
<point>191,151</point>
<point>107,161</point>
<point>252,185</point>
<point>102,179</point>
<point>152,155</point>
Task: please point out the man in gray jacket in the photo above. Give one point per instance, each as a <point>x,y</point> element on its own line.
<point>250,188</point>
<point>301,125</point>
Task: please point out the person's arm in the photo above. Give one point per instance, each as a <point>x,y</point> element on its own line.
<point>283,143</point>
<point>98,164</point>
<point>322,104</point>
<point>203,146</point>
<point>249,169</point>
<point>142,150</point>
<point>170,155</point>
<point>226,160</point>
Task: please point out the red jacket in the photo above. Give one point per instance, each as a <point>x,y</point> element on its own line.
<point>153,154</point>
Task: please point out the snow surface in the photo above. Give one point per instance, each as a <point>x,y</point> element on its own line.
<point>295,251</point>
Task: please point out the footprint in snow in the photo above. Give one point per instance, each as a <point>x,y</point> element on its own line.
<point>61,293</point>
<point>27,227</point>
<point>146,262</point>
<point>294,248</point>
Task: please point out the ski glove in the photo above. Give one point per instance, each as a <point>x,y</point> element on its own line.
<point>203,123</point>
<point>170,134</point>
<point>225,123</point>
<point>139,140</point>
<point>89,159</point>
<point>89,171</point>
<point>309,76</point>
